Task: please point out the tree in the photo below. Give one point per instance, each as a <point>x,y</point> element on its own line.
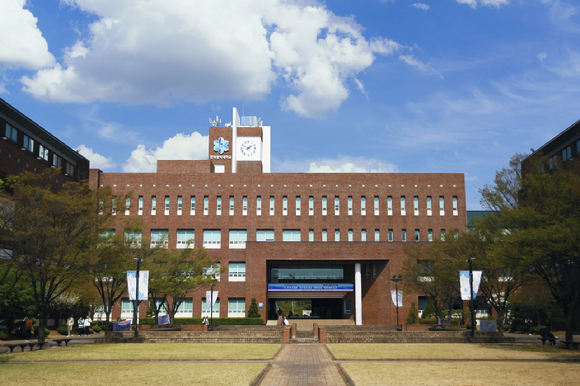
<point>175,273</point>
<point>541,210</point>
<point>429,271</point>
<point>412,316</point>
<point>253,310</point>
<point>50,233</point>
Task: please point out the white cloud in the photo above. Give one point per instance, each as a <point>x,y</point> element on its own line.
<point>424,68</point>
<point>542,56</point>
<point>22,44</point>
<point>350,165</point>
<point>489,3</point>
<point>179,147</point>
<point>161,51</point>
<point>422,6</point>
<point>97,161</point>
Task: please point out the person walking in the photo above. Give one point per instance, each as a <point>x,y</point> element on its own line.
<point>81,322</point>
<point>88,322</point>
<point>528,323</point>
<point>28,328</point>
<point>70,322</point>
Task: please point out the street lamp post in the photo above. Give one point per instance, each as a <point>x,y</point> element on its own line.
<point>397,279</point>
<point>471,305</point>
<point>136,301</point>
<point>211,303</point>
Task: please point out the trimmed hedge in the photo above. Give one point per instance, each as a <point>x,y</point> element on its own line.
<point>216,321</point>
<point>62,330</point>
<point>454,322</point>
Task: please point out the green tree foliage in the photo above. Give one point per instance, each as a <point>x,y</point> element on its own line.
<point>50,233</point>
<point>541,210</point>
<point>412,318</point>
<point>175,273</point>
<point>253,311</point>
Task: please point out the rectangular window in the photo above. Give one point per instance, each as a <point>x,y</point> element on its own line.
<point>455,210</point>
<point>416,205</point>
<point>417,235</point>
<point>271,205</point>
<point>236,308</point>
<point>70,169</point>
<point>237,272</point>
<point>377,235</point>
<point>376,205</point>
<point>324,235</point>
<point>258,205</point>
<point>11,133</point>
<point>56,161</point>
<point>441,206</point>
<point>567,153</point>
<point>442,234</point>
<point>159,237</point>
<point>455,234</point>
<point>337,235</point>
<point>212,239</point>
<point>390,235</point>
<point>311,206</point>
<point>390,205</point>
<point>179,205</point>
<point>430,235</point>
<point>403,235</point>
<point>140,209</point>
<point>363,205</point>
<point>28,143</point>
<point>43,152</point>
<point>311,235</point>
<point>348,307</point>
<point>133,238</point>
<point>336,205</point>
<point>291,235</point>
<point>192,206</point>
<point>553,161</point>
<point>238,238</point>
<point>298,206</point>
<point>245,205</point>
<point>429,211</point>
<point>403,208</point>
<point>186,307</point>
<point>209,310</point>
<point>231,205</point>
<point>363,235</point>
<point>185,238</point>
<point>205,205</point>
<point>153,205</point>
<point>284,205</point>
<point>219,205</point>
<point>127,306</point>
<point>324,207</point>
<point>166,205</point>
<point>265,235</point>
<point>127,206</point>
<point>114,206</point>
<point>350,235</point>
<point>349,201</point>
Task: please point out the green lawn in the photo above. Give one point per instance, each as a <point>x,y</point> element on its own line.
<point>156,351</point>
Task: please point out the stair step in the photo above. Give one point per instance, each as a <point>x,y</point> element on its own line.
<point>303,340</point>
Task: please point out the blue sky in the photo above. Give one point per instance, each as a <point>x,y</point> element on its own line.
<point>394,86</point>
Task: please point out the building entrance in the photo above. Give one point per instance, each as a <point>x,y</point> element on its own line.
<point>306,308</point>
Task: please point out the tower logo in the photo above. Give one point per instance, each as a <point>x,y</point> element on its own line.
<point>221,145</point>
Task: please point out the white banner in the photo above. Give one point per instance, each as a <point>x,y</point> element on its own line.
<point>208,299</point>
<point>397,299</point>
<point>143,284</point>
<point>464,282</point>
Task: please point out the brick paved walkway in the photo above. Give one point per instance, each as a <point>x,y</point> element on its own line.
<point>303,364</point>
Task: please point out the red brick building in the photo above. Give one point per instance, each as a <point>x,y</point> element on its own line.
<point>335,238</point>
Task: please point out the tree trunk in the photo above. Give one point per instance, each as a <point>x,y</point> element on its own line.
<point>41,325</point>
<point>569,336</point>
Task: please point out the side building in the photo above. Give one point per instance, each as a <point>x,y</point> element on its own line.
<point>335,239</point>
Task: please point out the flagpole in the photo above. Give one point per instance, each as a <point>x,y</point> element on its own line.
<point>471,306</point>
<point>136,301</point>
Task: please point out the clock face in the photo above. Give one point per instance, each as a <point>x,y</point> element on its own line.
<point>248,148</point>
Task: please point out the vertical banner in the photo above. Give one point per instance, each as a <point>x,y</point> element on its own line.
<point>464,282</point>
<point>143,284</point>
<point>397,298</point>
<point>209,301</point>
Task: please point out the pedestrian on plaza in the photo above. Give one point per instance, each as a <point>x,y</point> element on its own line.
<point>81,322</point>
<point>528,323</point>
<point>87,324</point>
<point>70,322</point>
<point>28,328</point>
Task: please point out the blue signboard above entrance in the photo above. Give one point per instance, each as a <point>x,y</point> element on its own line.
<point>311,287</point>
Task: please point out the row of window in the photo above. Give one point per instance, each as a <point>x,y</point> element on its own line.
<point>402,206</point>
<point>564,155</point>
<point>42,152</point>
<point>212,238</point>
<point>236,308</point>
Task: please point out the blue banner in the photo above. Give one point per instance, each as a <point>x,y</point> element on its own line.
<point>163,319</point>
<point>311,287</point>
<point>122,326</point>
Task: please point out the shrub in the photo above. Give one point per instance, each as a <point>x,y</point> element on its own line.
<point>506,327</point>
<point>468,325</point>
<point>216,321</point>
<point>432,320</point>
<point>412,317</point>
<point>97,329</point>
<point>253,310</point>
<point>536,330</point>
<point>4,335</point>
<point>62,330</point>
